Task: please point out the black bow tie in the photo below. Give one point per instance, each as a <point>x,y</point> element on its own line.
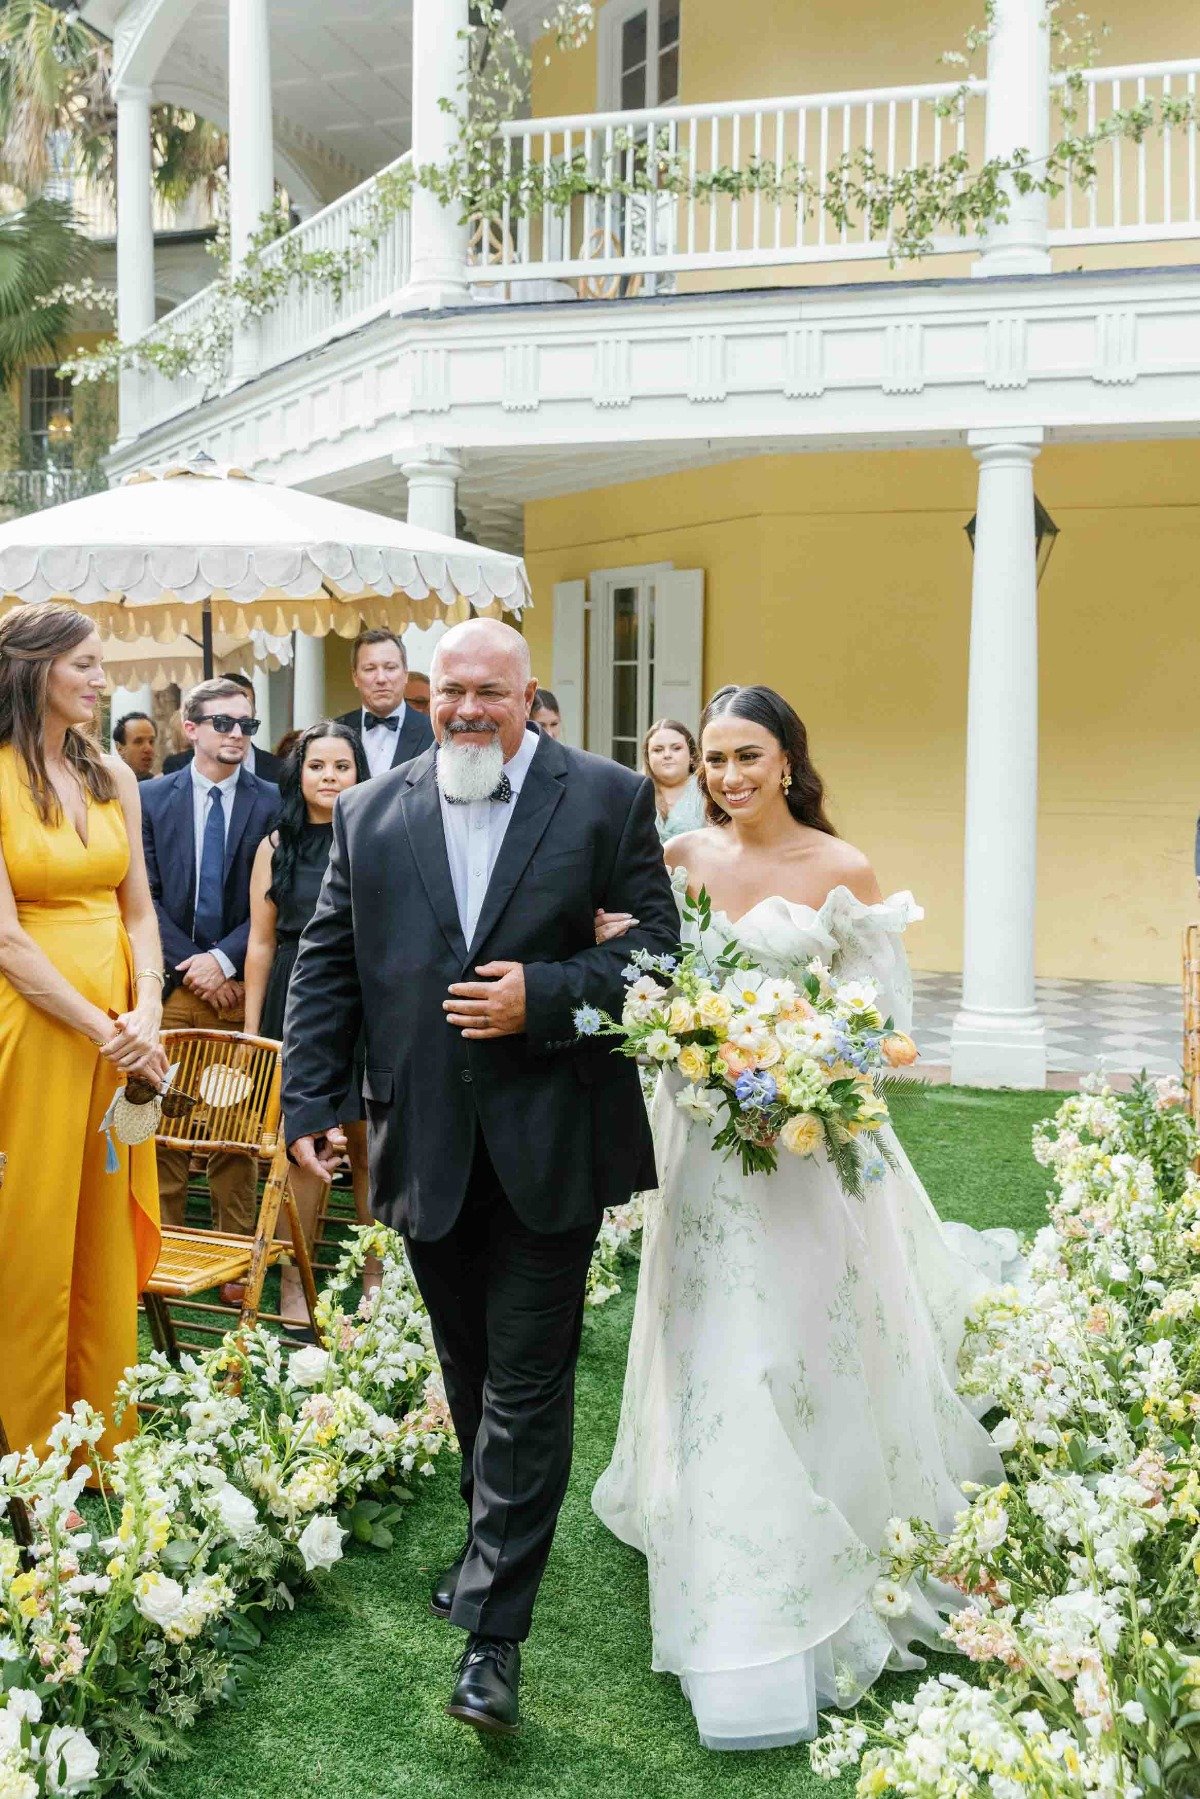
<point>502,791</point>
<point>372,719</point>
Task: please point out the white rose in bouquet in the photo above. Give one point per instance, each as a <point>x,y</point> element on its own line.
<point>72,1760</point>
<point>158,1598</point>
<point>25,1703</point>
<point>308,1366</point>
<point>320,1543</point>
<point>238,1516</point>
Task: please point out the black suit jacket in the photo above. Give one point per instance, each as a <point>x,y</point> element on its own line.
<point>169,835</point>
<point>415,733</point>
<point>563,1119</point>
<point>266,766</point>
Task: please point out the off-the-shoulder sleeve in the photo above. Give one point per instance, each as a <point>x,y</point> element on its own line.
<point>870,946</point>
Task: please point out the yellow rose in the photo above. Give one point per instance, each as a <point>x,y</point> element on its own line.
<point>693,1063</point>
<point>714,1010</point>
<point>681,1017</point>
<point>801,1134</point>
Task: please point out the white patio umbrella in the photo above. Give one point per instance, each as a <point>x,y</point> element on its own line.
<point>197,547</point>
<point>145,662</point>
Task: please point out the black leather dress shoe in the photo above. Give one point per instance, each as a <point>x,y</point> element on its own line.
<point>485,1693</point>
<point>446,1585</point>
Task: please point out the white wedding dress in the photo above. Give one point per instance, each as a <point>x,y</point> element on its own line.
<point>790,1387</point>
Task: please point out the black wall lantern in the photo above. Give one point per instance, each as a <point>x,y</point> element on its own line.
<point>1045,532</point>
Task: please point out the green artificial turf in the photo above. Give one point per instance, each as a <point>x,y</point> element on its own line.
<point>346,1698</point>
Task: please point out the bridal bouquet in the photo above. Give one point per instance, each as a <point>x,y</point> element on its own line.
<point>797,1063</point>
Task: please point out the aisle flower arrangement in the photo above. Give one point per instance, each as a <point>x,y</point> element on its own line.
<point>139,1605</point>
<point>1079,1574</point>
<point>770,1063</point>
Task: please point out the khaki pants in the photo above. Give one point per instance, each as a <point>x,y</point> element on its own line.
<point>232,1178</point>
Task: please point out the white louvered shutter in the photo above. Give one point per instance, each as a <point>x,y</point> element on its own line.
<point>567,680</point>
<point>679,646</point>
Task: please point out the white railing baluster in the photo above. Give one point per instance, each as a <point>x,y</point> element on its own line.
<point>801,158</point>
<point>1141,160</point>
<point>756,226</point>
<point>823,171</point>
<point>847,150</point>
<point>693,168</point>
<point>735,207</point>
<point>780,159</point>
<point>1167,177</point>
<point>1191,131</point>
<point>714,162</point>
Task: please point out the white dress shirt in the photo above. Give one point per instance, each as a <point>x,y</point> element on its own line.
<point>380,743</point>
<point>201,787</point>
<point>474,833</point>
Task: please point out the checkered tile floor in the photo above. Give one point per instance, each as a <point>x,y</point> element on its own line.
<point>1127,1025</point>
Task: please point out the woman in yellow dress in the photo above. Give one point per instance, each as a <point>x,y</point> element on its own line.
<point>80,1004</point>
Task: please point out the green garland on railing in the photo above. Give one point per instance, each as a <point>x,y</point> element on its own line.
<point>907,211</point>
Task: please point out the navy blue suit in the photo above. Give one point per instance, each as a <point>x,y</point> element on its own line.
<point>169,835</point>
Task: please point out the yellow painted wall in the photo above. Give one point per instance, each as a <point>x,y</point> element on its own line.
<point>845,581</point>
<point>763,48</point>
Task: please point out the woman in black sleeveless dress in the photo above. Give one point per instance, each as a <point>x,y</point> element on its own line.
<point>288,871</point>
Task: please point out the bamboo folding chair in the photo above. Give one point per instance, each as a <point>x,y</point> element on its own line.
<point>234,1081</point>
<point>1191,1018</point>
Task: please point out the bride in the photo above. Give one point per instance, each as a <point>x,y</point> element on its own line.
<point>790,1386</point>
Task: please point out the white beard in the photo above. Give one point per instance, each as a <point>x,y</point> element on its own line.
<point>469,771</point>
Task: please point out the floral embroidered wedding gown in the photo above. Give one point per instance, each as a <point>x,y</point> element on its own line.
<point>790,1388</point>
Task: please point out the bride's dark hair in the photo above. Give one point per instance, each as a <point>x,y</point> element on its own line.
<point>763,706</point>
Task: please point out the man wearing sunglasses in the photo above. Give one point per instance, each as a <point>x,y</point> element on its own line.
<point>258,760</point>
<point>201,827</point>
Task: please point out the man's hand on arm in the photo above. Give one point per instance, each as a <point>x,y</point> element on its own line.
<point>493,1006</point>
<point>202,974</point>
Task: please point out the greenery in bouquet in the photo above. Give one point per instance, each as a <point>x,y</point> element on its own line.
<point>770,1061</point>
<point>137,1607</point>
<point>1078,1575</point>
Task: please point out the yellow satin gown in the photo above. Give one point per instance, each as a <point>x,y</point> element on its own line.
<point>77,1243</point>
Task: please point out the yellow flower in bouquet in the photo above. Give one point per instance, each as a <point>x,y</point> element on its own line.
<point>801,1134</point>
<point>693,1062</point>
<point>714,1011</point>
<point>899,1050</point>
<point>681,1017</point>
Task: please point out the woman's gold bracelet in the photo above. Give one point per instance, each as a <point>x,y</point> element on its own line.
<point>153,974</point>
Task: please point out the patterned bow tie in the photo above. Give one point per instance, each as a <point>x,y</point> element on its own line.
<point>502,791</point>
<point>372,721</point>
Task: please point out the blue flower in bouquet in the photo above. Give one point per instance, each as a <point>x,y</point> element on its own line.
<point>587,1021</point>
<point>755,1091</point>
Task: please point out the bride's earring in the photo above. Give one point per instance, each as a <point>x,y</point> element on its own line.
<point>786,783</point>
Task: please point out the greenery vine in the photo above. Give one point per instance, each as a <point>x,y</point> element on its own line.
<point>905,210</point>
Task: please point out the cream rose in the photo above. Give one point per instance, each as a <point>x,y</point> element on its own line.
<point>682,1015</point>
<point>320,1543</point>
<point>692,1063</point>
<point>307,1367</point>
<point>715,1011</point>
<point>72,1760</point>
<point>801,1134</point>
<point>158,1598</point>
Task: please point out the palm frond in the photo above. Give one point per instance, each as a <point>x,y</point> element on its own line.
<point>40,249</point>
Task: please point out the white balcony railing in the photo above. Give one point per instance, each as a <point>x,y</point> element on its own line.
<point>1144,191</point>
<point>544,237</point>
<point>612,243</point>
<point>313,312</point>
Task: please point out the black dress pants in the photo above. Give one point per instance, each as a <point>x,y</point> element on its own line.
<point>506,1306</point>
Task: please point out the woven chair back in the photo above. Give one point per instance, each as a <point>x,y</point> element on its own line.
<point>235,1081</point>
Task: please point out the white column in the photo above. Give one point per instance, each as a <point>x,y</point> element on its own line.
<point>1018,118</point>
<point>262,706</point>
<point>130,699</point>
<point>308,681</point>
<point>432,474</point>
<point>135,238</point>
<point>251,151</point>
<point>438,271</point>
<point>999,1039</point>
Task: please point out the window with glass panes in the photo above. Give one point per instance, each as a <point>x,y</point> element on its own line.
<point>622,658</point>
<point>48,416</point>
<point>648,55</point>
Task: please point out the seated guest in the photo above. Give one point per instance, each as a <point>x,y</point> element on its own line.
<point>545,712</point>
<point>391,731</point>
<point>258,762</point>
<point>288,870</point>
<point>416,691</point>
<point>670,757</point>
<point>80,1004</point>
<point>202,826</point>
<point>135,738</point>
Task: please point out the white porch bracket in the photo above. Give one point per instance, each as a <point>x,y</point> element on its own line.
<point>438,269</point>
<point>999,1039</point>
<point>1018,119</point>
<point>251,154</point>
<point>432,473</point>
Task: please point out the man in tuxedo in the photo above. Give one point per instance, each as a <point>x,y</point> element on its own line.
<point>201,827</point>
<point>259,762</point>
<point>456,924</point>
<point>392,730</point>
